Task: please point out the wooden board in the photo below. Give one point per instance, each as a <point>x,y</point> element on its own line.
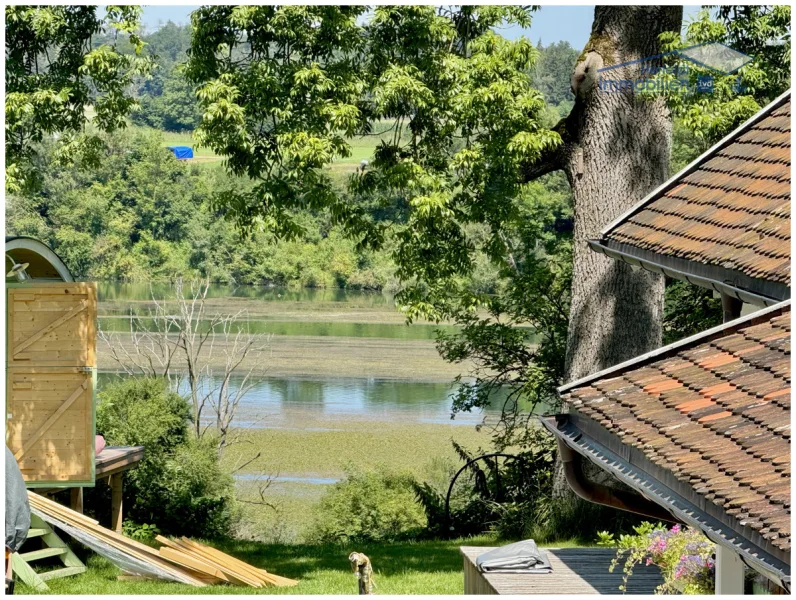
<point>575,571</point>
<point>132,548</point>
<point>50,381</point>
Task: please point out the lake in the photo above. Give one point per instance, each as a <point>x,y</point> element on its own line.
<point>346,382</point>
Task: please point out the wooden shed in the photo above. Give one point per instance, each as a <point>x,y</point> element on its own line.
<point>50,367</point>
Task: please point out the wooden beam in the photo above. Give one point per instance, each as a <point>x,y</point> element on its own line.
<point>76,499</point>
<point>186,560</point>
<point>132,548</point>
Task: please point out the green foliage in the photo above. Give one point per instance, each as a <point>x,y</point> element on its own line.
<point>167,100</point>
<point>572,517</point>
<point>762,32</point>
<point>518,346</point>
<point>141,215</point>
<point>143,412</point>
<point>53,75</point>
<point>459,96</point>
<point>464,122</point>
<point>173,109</point>
<point>552,72</point>
<point>684,555</point>
<point>513,498</point>
<point>179,486</point>
<point>142,533</point>
<point>688,310</point>
<point>372,506</point>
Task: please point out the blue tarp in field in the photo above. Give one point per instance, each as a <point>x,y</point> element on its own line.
<point>182,152</point>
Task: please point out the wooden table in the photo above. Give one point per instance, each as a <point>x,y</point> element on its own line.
<point>575,571</point>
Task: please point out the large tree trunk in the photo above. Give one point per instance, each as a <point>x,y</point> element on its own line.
<point>616,150</point>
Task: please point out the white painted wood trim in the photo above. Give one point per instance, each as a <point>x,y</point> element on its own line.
<point>729,572</point>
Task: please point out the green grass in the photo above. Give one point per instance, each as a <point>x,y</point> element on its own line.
<point>361,147</point>
<point>427,567</point>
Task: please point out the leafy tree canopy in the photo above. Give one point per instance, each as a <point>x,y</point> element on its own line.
<point>53,76</point>
<point>283,87</point>
<point>762,32</point>
<point>552,73</point>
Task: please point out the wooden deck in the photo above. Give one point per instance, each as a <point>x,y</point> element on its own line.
<point>575,571</point>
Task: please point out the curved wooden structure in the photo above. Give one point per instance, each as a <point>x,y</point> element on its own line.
<point>43,263</point>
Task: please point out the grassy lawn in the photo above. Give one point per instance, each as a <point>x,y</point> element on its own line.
<point>428,567</point>
<point>361,147</point>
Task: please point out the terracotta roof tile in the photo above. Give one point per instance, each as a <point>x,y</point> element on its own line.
<point>717,416</point>
<point>732,211</point>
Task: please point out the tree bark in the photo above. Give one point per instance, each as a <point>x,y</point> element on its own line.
<point>616,150</point>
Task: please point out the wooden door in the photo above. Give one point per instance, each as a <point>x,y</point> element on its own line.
<point>50,381</point>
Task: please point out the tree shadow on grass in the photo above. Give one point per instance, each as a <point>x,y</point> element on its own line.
<point>296,560</point>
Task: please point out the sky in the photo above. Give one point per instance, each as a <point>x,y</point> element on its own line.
<point>550,24</point>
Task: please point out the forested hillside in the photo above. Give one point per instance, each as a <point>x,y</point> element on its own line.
<point>142,215</point>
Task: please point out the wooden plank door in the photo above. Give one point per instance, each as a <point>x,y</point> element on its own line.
<point>52,324</point>
<point>50,381</point>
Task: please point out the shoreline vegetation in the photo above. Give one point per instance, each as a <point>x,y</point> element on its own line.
<point>303,446</point>
<point>349,345</point>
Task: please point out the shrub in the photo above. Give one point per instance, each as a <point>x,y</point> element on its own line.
<point>513,498</point>
<point>510,496</point>
<point>372,506</point>
<point>570,517</point>
<point>179,485</point>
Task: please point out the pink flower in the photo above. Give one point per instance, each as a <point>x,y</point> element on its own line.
<point>676,528</point>
<point>649,562</point>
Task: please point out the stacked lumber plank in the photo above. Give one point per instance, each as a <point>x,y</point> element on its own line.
<point>215,565</point>
<point>182,560</point>
<point>137,551</point>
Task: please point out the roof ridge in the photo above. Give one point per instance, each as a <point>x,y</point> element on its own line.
<point>693,165</point>
<point>704,336</point>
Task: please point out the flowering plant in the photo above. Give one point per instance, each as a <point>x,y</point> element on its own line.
<point>684,556</point>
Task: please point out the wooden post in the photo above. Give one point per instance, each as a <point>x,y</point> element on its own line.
<point>729,572</point>
<point>115,482</point>
<point>76,499</point>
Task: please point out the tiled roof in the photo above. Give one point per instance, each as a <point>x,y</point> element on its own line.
<point>730,210</point>
<point>715,413</point>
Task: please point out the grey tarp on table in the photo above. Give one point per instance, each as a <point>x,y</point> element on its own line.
<point>520,557</point>
<point>17,508</point>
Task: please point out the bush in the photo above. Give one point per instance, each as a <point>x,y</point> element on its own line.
<point>509,497</point>
<point>179,485</point>
<point>373,506</point>
<point>515,501</point>
<point>570,517</point>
